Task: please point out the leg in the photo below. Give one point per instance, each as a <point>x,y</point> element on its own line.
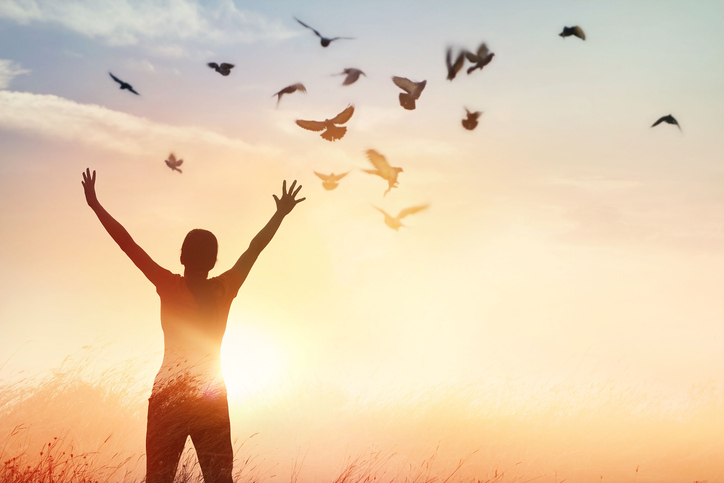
<point>166,434</point>
<point>211,436</point>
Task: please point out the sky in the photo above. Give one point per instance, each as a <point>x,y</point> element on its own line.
<point>565,240</point>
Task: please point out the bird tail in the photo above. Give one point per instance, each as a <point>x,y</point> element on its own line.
<point>407,101</point>
<point>334,132</point>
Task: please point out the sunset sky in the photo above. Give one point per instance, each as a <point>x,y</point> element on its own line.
<point>566,240</point>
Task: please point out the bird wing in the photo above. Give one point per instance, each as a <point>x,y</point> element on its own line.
<point>483,51</point>
<point>578,32</point>
<point>286,90</point>
<point>337,177</point>
<point>458,64</point>
<point>130,88</point>
<point>419,87</point>
<point>471,56</point>
<point>343,116</point>
<point>661,119</point>
<point>117,79</point>
<point>352,76</point>
<point>324,177</point>
<point>226,66</point>
<point>379,162</point>
<point>404,83</point>
<point>171,158</point>
<point>311,125</point>
<point>213,65</point>
<point>310,28</point>
<point>409,211</point>
<point>382,211</point>
<point>179,162</point>
<point>291,88</point>
<point>341,38</point>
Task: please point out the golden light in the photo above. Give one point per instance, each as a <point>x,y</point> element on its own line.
<point>250,361</point>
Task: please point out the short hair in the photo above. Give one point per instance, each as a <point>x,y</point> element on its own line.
<point>199,250</point>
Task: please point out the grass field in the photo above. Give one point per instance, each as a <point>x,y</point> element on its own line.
<point>73,425</point>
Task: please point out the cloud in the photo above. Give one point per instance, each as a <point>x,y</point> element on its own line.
<point>166,21</point>
<point>140,65</point>
<point>53,116</point>
<point>9,70</point>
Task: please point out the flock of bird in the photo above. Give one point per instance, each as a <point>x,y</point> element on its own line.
<point>332,129</point>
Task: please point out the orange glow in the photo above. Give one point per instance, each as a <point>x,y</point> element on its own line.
<point>250,362</point>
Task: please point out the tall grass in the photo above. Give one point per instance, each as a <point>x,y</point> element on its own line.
<point>75,425</point>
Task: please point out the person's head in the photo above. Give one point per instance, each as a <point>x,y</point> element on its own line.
<point>199,250</point>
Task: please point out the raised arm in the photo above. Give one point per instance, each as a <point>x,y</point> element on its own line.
<point>139,257</point>
<point>285,205</point>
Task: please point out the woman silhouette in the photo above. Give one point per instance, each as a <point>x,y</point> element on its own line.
<point>189,395</point>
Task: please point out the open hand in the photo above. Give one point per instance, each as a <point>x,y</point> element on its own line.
<point>287,202</point>
<point>89,186</point>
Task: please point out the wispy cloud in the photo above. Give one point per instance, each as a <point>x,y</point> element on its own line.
<point>56,117</point>
<point>140,65</point>
<point>132,22</point>
<point>9,70</point>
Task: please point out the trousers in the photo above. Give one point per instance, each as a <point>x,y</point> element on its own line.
<point>174,416</point>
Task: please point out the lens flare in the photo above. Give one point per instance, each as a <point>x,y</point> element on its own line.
<point>250,361</point>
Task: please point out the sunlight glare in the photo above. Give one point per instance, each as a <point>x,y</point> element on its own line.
<point>250,361</point>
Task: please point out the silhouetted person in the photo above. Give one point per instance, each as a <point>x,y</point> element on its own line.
<point>189,395</point>
<point>288,90</point>
<point>124,85</point>
<point>223,69</point>
<point>575,31</point>
<point>332,132</point>
<point>471,121</point>
<point>330,181</point>
<point>669,119</point>
<point>352,75</point>
<point>412,91</point>
<point>174,163</point>
<point>383,169</point>
<point>324,41</point>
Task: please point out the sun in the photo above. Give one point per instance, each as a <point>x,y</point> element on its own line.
<point>250,361</point>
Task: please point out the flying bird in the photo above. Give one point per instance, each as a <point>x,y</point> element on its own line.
<point>352,75</point>
<point>394,222</point>
<point>323,40</point>
<point>471,122</point>
<point>577,31</point>
<point>174,163</point>
<point>480,58</point>
<point>383,169</point>
<point>331,131</point>
<point>412,91</point>
<point>223,69</point>
<point>667,119</point>
<point>124,85</point>
<point>330,181</point>
<point>288,90</point>
<point>454,67</point>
